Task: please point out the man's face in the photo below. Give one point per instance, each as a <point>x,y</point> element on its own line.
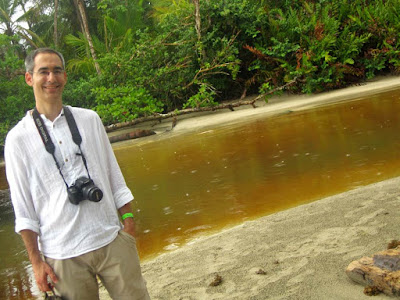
<point>48,78</point>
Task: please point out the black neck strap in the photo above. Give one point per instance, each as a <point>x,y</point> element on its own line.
<point>76,136</point>
<point>48,143</point>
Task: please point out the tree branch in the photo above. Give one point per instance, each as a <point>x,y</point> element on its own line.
<point>160,117</point>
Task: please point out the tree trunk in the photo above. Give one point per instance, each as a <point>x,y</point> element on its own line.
<point>197,18</point>
<point>55,24</point>
<point>82,16</point>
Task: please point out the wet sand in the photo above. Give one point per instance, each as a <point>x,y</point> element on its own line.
<point>301,253</point>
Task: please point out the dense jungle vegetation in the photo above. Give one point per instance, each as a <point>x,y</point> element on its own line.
<point>127,59</point>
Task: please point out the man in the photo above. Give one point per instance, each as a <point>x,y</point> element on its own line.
<point>70,240</point>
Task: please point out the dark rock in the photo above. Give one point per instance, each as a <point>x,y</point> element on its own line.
<point>217,280</point>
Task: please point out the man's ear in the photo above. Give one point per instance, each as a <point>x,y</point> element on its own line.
<point>28,78</point>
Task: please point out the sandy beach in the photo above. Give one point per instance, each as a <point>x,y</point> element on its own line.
<point>300,253</point>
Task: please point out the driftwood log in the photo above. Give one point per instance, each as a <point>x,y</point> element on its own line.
<point>379,273</point>
<point>137,133</point>
<point>160,117</point>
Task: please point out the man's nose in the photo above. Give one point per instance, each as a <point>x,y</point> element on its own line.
<point>51,76</point>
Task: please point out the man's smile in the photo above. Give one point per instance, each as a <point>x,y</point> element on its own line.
<point>52,88</point>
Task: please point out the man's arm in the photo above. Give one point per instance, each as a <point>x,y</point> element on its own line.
<point>129,223</point>
<point>40,268</point>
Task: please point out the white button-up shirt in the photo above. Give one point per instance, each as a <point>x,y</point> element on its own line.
<point>39,194</point>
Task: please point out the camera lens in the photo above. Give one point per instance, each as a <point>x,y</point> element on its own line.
<point>88,190</point>
<point>94,194</point>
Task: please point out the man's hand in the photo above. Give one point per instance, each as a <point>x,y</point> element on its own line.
<point>42,271</point>
<point>129,226</point>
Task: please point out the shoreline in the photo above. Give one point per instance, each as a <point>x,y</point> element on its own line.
<point>299,253</point>
<point>275,106</point>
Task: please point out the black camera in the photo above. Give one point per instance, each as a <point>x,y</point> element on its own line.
<point>84,189</point>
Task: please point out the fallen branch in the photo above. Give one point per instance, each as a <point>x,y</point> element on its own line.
<point>277,89</point>
<point>160,117</point>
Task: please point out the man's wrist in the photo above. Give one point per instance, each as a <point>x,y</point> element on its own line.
<point>126,215</point>
<point>36,261</point>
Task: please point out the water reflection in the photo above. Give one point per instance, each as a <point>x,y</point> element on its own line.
<point>15,270</point>
<point>205,180</point>
<point>3,181</point>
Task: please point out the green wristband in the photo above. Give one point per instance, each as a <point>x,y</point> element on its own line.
<point>127,215</point>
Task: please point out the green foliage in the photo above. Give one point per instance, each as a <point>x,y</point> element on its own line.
<point>16,95</point>
<point>326,45</point>
<point>79,92</point>
<point>124,103</point>
<point>129,14</point>
<point>82,63</point>
<point>204,97</point>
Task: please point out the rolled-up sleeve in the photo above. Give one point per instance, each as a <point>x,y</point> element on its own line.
<point>18,181</point>
<point>26,224</point>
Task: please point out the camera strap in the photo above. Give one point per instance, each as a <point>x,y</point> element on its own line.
<point>48,143</point>
<point>76,136</point>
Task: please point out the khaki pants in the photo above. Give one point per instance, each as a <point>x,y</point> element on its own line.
<point>117,265</point>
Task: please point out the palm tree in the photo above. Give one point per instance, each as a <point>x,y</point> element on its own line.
<point>162,8</point>
<point>8,11</point>
<point>80,9</point>
<point>55,24</point>
<point>120,22</point>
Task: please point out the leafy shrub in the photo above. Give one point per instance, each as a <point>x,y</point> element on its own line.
<point>79,92</point>
<point>205,97</point>
<point>124,103</point>
<point>16,95</point>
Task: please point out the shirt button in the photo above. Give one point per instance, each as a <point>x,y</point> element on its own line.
<point>60,142</point>
<point>66,160</point>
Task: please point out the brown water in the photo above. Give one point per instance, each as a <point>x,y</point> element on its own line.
<point>3,181</point>
<point>200,182</point>
<point>206,180</point>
